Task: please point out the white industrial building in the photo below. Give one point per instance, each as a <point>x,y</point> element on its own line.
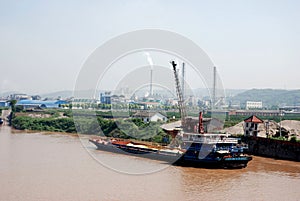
<point>253,105</point>
<point>146,116</point>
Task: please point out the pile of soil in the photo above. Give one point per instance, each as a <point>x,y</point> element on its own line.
<point>292,127</point>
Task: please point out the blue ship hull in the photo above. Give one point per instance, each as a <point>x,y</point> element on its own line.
<point>189,158</point>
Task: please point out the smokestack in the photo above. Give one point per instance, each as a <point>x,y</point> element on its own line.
<point>151,71</point>
<point>183,78</point>
<point>151,81</point>
<point>214,87</point>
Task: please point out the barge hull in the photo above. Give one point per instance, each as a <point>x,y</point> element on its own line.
<point>138,152</point>
<point>174,159</point>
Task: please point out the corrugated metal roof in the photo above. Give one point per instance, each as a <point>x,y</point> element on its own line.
<point>49,104</point>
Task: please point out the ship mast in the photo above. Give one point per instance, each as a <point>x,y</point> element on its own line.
<point>182,110</point>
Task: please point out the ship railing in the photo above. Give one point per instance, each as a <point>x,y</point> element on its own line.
<point>210,141</point>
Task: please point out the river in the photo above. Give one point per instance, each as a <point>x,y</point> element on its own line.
<point>51,167</point>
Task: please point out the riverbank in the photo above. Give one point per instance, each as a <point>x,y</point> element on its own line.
<point>272,148</point>
<point>133,128</point>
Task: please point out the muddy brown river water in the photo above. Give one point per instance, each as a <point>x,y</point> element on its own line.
<point>41,167</point>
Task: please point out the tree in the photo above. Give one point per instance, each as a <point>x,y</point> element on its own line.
<point>12,104</point>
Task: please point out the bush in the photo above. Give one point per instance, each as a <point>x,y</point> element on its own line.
<point>44,124</point>
<point>293,139</point>
<point>131,128</point>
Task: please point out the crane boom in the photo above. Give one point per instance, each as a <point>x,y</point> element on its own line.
<point>179,96</point>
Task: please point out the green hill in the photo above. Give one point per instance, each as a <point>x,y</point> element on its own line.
<point>271,98</point>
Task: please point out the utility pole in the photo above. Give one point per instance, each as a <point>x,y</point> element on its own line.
<point>151,81</point>
<point>267,128</point>
<point>214,87</point>
<point>183,78</point>
<point>280,114</point>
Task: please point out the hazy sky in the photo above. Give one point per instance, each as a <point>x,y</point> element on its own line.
<point>43,44</point>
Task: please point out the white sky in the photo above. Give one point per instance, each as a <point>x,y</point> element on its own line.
<point>43,44</point>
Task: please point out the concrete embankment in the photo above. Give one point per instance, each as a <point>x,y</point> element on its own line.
<point>273,148</point>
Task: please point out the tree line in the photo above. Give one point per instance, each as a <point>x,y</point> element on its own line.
<point>120,128</point>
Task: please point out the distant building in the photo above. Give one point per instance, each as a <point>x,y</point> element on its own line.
<point>41,104</point>
<point>146,116</point>
<point>254,112</point>
<point>253,105</point>
<point>82,103</point>
<point>234,104</point>
<point>191,101</point>
<point>210,125</point>
<point>36,97</point>
<point>149,105</point>
<point>117,99</point>
<point>19,97</point>
<point>171,102</point>
<point>251,125</point>
<point>290,109</point>
<point>4,103</point>
<point>105,98</point>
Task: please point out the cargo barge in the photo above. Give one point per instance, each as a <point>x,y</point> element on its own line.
<point>197,150</point>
